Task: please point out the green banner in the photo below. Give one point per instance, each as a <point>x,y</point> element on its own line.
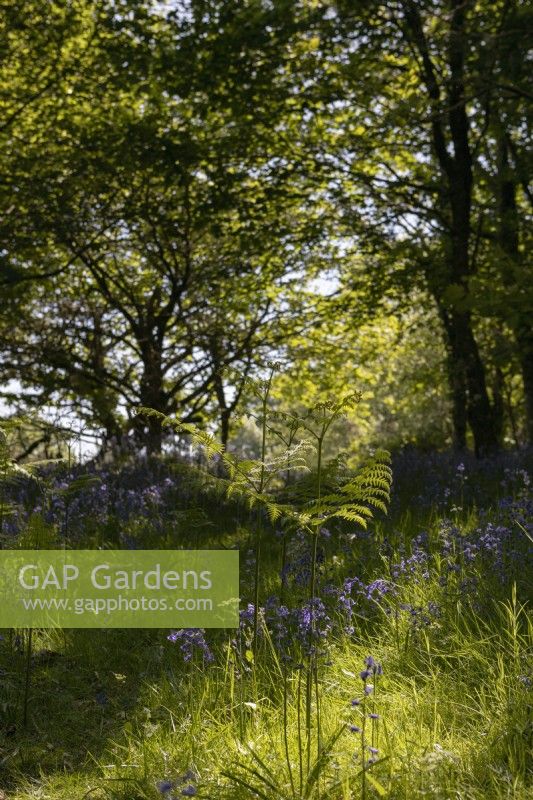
<point>119,589</point>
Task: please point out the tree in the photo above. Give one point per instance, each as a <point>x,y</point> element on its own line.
<point>183,170</point>
<point>167,232</point>
<point>404,93</point>
<point>508,146</point>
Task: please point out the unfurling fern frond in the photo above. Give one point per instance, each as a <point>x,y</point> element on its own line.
<point>249,481</point>
<point>355,500</point>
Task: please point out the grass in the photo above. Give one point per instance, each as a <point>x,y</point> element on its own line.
<point>114,712</point>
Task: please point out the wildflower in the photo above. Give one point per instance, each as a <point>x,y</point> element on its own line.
<point>189,791</point>
<point>247,614</point>
<point>369,688</point>
<point>191,638</point>
<point>356,702</point>
<point>355,729</point>
<point>313,623</point>
<point>164,786</point>
<point>377,589</point>
<point>372,667</point>
<point>373,716</point>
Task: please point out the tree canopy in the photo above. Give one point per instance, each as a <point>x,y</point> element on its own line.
<point>190,190</point>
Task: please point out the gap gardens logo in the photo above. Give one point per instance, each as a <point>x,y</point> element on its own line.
<point>119,589</point>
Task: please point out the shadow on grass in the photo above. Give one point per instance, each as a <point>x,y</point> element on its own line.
<point>85,686</point>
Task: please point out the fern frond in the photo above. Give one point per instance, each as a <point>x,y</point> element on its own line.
<point>350,498</point>
<point>351,516</point>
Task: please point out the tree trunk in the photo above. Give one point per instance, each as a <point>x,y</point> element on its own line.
<point>225,408</point>
<point>225,426</point>
<point>524,340</point>
<point>154,436</point>
<point>152,395</point>
<point>457,388</point>
<point>450,131</point>
<point>498,403</point>
<point>459,413</point>
<point>468,385</point>
<point>508,236</point>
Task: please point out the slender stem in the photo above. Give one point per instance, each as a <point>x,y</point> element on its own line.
<point>283,568</point>
<point>285,728</point>
<point>308,711</point>
<point>300,747</point>
<point>241,690</point>
<point>28,678</point>
<point>264,407</point>
<point>312,675</point>
<point>363,747</point>
<point>3,456</point>
<point>256,585</point>
<point>263,441</point>
<point>373,724</point>
<point>314,553</point>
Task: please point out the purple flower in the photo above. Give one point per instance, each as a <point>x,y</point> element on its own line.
<point>192,639</point>
<point>313,624</point>
<point>164,786</point>
<point>246,615</point>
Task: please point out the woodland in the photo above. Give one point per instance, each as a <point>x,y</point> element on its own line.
<point>265,285</point>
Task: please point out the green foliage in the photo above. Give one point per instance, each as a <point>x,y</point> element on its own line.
<point>249,480</point>
<point>453,701</point>
<point>201,190</point>
<point>38,535</point>
<point>10,472</point>
<point>189,191</point>
<point>370,488</point>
